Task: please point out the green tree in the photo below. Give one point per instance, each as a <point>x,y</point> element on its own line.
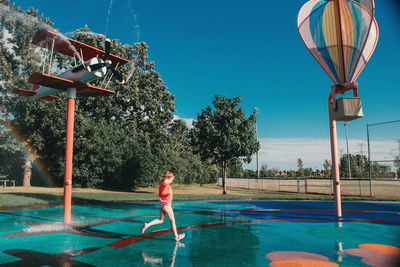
<point>249,173</point>
<point>223,133</point>
<point>380,170</point>
<point>327,168</point>
<point>140,114</point>
<point>11,158</point>
<point>273,172</point>
<point>122,141</point>
<point>264,170</point>
<point>105,128</point>
<point>397,165</point>
<point>234,168</point>
<point>358,165</point>
<point>18,59</point>
<point>179,133</point>
<point>308,172</point>
<point>300,169</point>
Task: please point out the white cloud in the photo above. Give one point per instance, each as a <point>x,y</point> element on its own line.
<point>283,153</point>
<point>188,121</point>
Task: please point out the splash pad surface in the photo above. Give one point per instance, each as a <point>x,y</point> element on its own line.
<point>218,233</point>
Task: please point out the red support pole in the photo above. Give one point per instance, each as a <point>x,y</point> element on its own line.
<point>69,155</point>
<point>334,156</point>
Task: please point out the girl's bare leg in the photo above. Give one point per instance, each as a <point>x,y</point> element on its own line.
<point>170,213</point>
<point>155,221</point>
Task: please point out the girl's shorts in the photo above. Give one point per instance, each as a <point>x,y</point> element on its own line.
<point>163,204</point>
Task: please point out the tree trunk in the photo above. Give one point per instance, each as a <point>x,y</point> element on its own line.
<point>27,173</point>
<point>224,177</point>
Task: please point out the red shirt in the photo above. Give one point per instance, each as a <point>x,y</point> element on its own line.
<point>165,193</point>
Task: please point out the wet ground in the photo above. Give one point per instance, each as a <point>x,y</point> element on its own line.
<point>218,233</point>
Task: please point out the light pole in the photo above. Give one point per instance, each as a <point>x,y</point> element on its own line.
<point>255,112</point>
<point>346,123</point>
<point>369,164</point>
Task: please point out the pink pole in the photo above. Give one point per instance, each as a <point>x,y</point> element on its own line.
<point>69,155</point>
<point>335,161</point>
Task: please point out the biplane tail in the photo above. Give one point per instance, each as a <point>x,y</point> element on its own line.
<point>29,93</point>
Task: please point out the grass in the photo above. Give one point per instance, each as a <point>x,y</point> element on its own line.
<point>35,197</point>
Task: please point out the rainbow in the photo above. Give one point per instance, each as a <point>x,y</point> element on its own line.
<point>29,151</point>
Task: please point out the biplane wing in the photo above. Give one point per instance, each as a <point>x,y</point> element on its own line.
<point>69,47</point>
<point>63,84</point>
<point>23,92</point>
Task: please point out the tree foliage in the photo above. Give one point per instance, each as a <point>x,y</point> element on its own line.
<point>11,160</point>
<point>223,134</point>
<point>360,168</point>
<point>327,168</point>
<point>300,169</point>
<point>122,141</point>
<point>358,165</point>
<point>397,165</point>
<point>17,59</point>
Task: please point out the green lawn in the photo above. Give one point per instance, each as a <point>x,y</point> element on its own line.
<point>19,197</point>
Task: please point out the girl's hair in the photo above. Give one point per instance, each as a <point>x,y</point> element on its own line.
<point>166,175</point>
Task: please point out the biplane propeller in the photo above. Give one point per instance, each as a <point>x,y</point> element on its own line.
<point>106,63</point>
<point>96,65</point>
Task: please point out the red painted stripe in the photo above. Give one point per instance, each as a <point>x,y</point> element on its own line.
<point>131,240</point>
<point>128,241</point>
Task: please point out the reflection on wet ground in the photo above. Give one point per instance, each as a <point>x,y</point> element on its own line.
<point>234,233</point>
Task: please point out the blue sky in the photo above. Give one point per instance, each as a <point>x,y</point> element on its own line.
<point>251,49</point>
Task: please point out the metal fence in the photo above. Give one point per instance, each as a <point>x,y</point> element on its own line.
<point>381,187</point>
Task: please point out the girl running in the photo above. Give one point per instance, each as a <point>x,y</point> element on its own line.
<point>165,194</point>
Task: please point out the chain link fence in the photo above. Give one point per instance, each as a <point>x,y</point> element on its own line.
<point>380,187</point>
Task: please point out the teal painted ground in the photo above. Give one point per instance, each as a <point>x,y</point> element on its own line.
<point>217,233</point>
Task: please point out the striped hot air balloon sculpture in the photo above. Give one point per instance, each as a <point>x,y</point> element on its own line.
<point>341,35</point>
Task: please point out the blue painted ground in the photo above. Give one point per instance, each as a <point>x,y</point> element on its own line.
<point>234,233</point>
